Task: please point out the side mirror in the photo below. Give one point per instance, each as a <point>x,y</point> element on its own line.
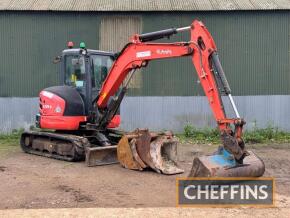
<point>56,60</point>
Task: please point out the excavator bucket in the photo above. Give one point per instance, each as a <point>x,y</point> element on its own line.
<point>127,154</point>
<point>97,156</point>
<point>142,149</point>
<point>223,164</point>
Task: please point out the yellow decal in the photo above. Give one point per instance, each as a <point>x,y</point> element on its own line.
<point>103,95</point>
<point>73,78</point>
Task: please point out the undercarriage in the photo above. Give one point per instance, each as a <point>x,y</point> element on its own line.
<point>66,146</point>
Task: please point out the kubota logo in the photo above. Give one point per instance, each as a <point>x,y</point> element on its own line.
<point>164,51</point>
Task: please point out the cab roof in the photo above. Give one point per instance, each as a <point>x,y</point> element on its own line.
<point>90,51</point>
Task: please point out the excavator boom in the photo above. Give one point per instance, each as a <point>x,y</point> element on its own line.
<point>201,47</point>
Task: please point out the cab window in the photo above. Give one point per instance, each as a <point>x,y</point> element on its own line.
<point>75,74</point>
<point>101,67</point>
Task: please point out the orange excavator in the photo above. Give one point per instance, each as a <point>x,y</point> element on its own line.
<point>82,113</point>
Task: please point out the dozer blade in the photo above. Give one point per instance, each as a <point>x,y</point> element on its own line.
<point>141,149</point>
<point>222,165</point>
<point>97,156</point>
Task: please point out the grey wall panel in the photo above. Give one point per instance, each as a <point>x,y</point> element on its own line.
<point>17,113</point>
<point>160,113</point>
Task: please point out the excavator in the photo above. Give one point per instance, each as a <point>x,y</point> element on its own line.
<point>79,119</point>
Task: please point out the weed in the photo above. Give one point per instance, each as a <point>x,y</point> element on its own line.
<point>257,135</point>
<point>205,135</point>
<point>11,139</point>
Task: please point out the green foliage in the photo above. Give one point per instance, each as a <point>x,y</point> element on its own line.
<point>257,135</point>
<point>268,134</point>
<point>205,135</point>
<point>10,139</point>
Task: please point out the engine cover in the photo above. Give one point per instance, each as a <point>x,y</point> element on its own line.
<point>65,98</point>
<point>61,108</point>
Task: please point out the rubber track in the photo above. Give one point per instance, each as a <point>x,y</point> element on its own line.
<point>77,142</point>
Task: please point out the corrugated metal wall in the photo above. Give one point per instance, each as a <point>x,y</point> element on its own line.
<point>17,113</point>
<point>114,34</point>
<point>167,112</point>
<point>175,112</point>
<point>116,30</point>
<point>253,46</point>
<point>30,41</point>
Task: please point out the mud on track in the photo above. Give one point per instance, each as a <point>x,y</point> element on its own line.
<point>29,181</point>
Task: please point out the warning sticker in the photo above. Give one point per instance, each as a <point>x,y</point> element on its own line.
<point>143,54</point>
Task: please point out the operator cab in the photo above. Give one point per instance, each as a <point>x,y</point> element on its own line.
<point>82,73</point>
<point>84,70</point>
<point>76,62</point>
<point>71,104</point>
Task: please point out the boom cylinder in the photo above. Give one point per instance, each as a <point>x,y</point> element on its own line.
<point>157,35</point>
<point>146,37</point>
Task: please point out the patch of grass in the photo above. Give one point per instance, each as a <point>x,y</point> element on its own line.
<point>11,137</point>
<point>265,135</point>
<point>257,135</point>
<point>10,141</point>
<point>205,135</point>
